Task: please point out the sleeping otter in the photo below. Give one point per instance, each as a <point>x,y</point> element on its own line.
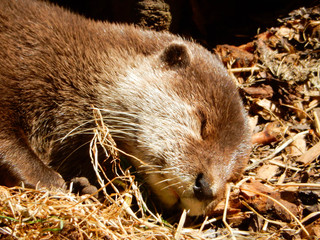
<point>167,101</point>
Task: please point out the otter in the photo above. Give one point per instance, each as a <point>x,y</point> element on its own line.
<point>166,100</point>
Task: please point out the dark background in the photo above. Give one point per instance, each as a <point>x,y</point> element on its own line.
<point>211,22</point>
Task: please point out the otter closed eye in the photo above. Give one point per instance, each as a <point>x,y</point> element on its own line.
<point>167,101</point>
<point>203,127</point>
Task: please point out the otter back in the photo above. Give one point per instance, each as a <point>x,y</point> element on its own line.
<point>167,101</point>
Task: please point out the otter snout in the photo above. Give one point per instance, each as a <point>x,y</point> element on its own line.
<point>202,189</point>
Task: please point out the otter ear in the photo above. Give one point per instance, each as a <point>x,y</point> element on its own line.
<point>176,55</point>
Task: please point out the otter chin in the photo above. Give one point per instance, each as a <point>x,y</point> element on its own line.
<point>166,101</point>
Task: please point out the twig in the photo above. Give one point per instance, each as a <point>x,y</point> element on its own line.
<point>245,69</point>
<point>284,207</point>
<point>311,215</point>
<point>307,185</point>
<point>278,149</point>
<point>224,217</point>
<point>267,220</point>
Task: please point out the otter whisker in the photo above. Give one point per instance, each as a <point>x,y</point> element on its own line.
<point>183,192</point>
<point>180,187</point>
<point>120,133</point>
<point>168,170</point>
<point>70,132</point>
<point>118,136</point>
<point>119,125</point>
<point>171,168</point>
<point>153,172</point>
<point>121,120</point>
<point>150,166</point>
<point>167,180</point>
<point>124,131</point>
<point>118,113</point>
<point>84,131</point>
<point>171,185</point>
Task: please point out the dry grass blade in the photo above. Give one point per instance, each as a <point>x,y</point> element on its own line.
<point>178,233</point>
<point>224,217</point>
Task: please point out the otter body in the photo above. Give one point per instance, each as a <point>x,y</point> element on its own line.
<point>166,101</point>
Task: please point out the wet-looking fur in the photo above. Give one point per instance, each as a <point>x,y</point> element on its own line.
<point>167,101</point>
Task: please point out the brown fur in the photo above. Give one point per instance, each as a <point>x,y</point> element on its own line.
<point>167,101</point>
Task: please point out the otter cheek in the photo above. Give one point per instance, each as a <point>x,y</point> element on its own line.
<point>194,206</point>
<point>173,196</point>
<point>167,195</point>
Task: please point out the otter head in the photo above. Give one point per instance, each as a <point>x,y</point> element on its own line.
<point>187,125</point>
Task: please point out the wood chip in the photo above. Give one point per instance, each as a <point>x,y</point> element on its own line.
<point>263,91</point>
<point>316,114</point>
<point>239,57</point>
<point>267,171</point>
<point>297,147</point>
<point>271,133</point>
<point>310,155</point>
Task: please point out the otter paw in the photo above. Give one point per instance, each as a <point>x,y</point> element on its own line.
<point>82,186</point>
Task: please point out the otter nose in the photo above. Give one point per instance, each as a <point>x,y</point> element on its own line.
<point>202,189</point>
